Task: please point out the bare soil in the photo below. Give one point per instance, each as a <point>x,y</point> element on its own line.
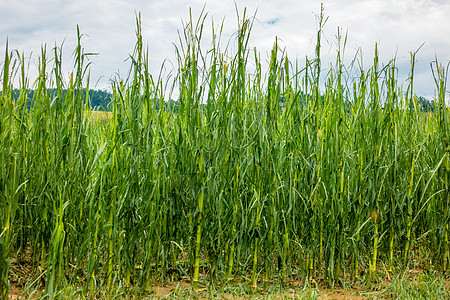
<point>23,272</point>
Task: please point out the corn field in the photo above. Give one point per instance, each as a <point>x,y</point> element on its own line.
<point>303,171</point>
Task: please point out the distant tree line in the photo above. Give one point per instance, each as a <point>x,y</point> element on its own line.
<point>98,99</point>
<point>425,104</point>
<point>101,99</point>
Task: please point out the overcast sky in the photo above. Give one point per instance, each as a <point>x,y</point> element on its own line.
<point>399,27</point>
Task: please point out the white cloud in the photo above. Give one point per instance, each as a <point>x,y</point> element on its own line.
<point>399,27</point>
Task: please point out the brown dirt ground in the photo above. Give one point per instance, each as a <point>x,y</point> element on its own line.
<point>165,292</point>
<point>23,272</point>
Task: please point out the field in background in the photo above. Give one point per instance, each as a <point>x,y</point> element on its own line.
<point>249,185</point>
<point>99,115</point>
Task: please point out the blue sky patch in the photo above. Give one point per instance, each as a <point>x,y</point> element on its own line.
<point>273,21</point>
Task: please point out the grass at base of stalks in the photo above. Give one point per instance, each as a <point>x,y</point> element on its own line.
<point>414,283</point>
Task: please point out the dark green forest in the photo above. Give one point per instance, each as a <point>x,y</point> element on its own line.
<point>101,99</point>
<point>98,99</point>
